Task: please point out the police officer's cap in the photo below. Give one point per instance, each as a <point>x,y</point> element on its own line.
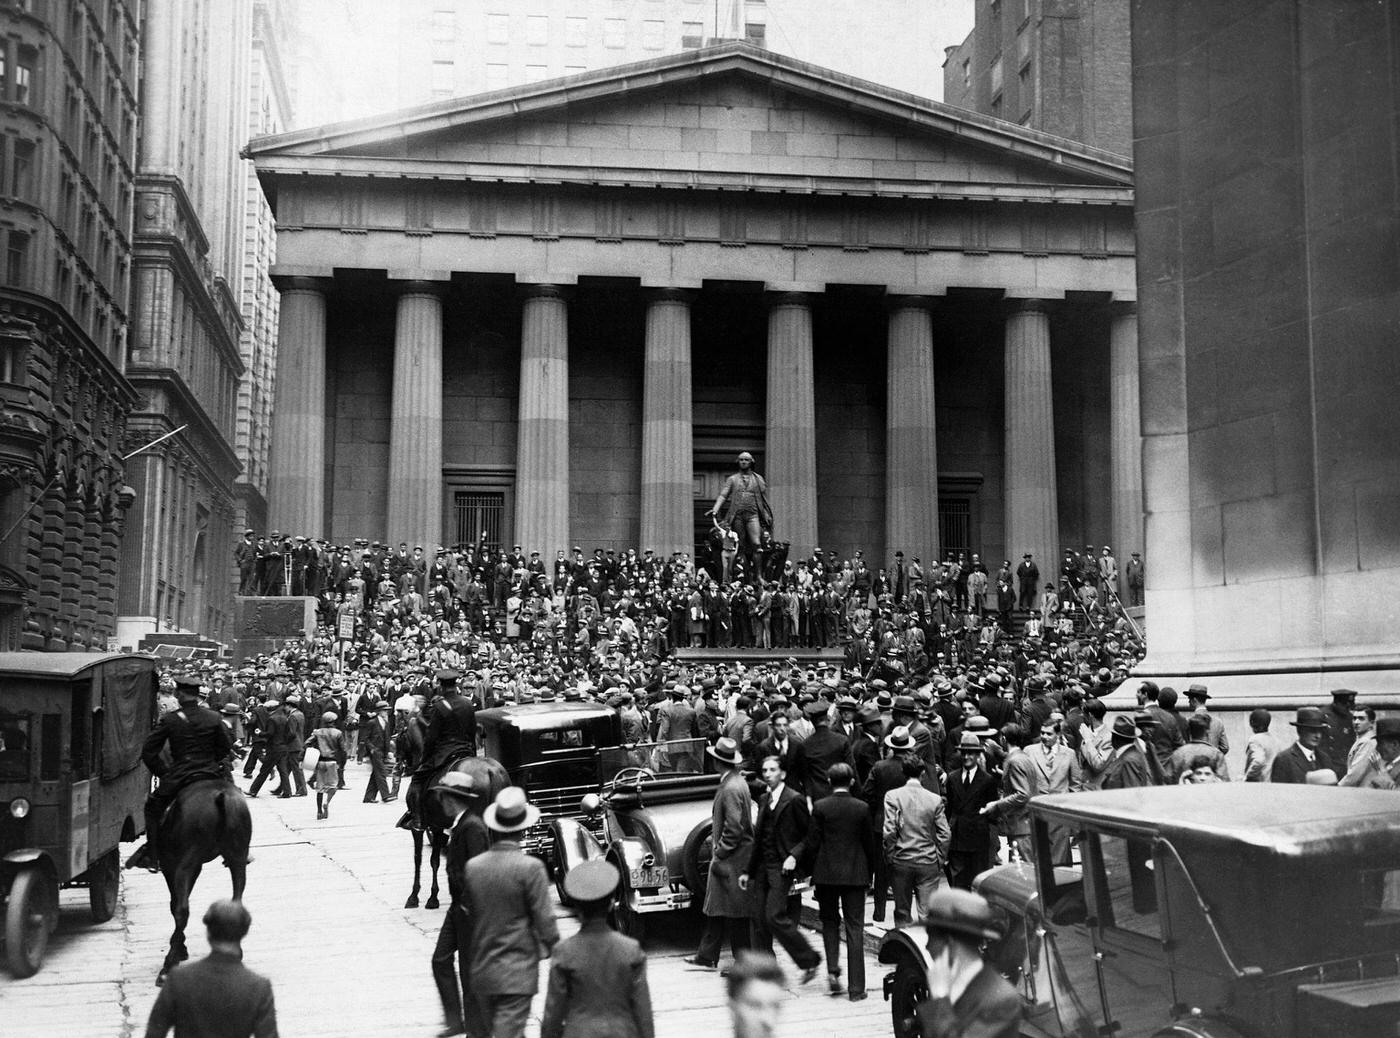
<point>591,881</point>
<point>447,677</point>
<point>187,686</point>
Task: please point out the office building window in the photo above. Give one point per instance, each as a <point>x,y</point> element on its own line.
<point>443,78</point>
<point>756,33</point>
<point>996,74</point>
<point>575,32</point>
<point>653,34</point>
<point>12,364</point>
<point>535,73</point>
<point>537,30</point>
<point>22,170</point>
<point>692,34</point>
<point>497,28</point>
<point>967,73</point>
<point>614,33</point>
<point>24,74</point>
<point>497,76</point>
<point>16,252</point>
<point>1023,47</point>
<point>444,25</point>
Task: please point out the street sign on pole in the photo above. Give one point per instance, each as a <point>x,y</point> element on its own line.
<point>346,630</point>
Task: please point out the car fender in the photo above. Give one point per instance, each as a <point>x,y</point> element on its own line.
<point>903,945</point>
<point>573,844</point>
<point>17,861</point>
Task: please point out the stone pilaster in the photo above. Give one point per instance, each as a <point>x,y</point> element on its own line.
<point>296,491</point>
<point>542,460</point>
<point>911,450</point>
<point>790,455</point>
<point>415,507</point>
<point>1125,435</point>
<point>1032,517</point>
<point>668,508</point>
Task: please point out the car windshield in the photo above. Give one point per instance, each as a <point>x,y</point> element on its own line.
<point>14,746</point>
<point>671,757</point>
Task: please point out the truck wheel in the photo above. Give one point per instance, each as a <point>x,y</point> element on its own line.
<point>910,988</point>
<point>104,883</point>
<point>695,859</point>
<point>27,923</point>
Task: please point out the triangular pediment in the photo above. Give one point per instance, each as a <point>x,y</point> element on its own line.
<point>725,113</point>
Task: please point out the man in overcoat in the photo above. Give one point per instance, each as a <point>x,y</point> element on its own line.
<point>513,927</point>
<point>728,906</point>
<point>970,788</point>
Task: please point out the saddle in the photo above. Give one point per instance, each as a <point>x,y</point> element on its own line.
<point>423,780</point>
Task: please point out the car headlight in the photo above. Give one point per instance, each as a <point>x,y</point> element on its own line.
<point>19,808</point>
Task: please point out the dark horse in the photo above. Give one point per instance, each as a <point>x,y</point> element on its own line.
<point>208,819</point>
<point>490,777</point>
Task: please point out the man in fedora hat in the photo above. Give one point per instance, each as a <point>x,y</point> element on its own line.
<point>1127,766</point>
<point>1378,767</point>
<point>508,899</point>
<point>966,996</point>
<point>1306,754</point>
<point>598,979</point>
<point>468,837</point>
<point>728,906</point>
<point>1196,697</point>
<point>970,788</point>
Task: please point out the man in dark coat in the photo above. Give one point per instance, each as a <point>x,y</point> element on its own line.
<point>958,923</point>
<point>781,743</point>
<point>200,745</point>
<point>1027,581</point>
<point>217,995</point>
<point>376,739</point>
<point>1306,755</point>
<point>970,789</point>
<point>468,837</point>
<point>1340,733</point>
<point>819,751</point>
<point>728,905</point>
<point>245,557</point>
<point>781,827</point>
<point>451,726</point>
<point>1127,768</point>
<point>512,913</point>
<point>676,721</point>
<point>865,750</point>
<point>840,850</point>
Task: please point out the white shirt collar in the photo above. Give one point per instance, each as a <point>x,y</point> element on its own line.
<point>1309,755</point>
<point>775,793</point>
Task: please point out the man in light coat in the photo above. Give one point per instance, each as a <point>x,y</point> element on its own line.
<point>916,839</point>
<point>1057,771</point>
<point>728,906</point>
<point>512,917</point>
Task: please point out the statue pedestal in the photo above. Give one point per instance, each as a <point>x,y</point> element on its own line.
<point>264,625</point>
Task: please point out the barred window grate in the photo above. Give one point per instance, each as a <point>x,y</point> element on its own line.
<point>955,524</point>
<point>474,511</point>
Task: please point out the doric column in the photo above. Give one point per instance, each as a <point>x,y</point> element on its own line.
<point>296,493</point>
<point>414,509</point>
<point>668,508</point>
<point>1125,434</point>
<point>790,453</point>
<point>1032,517</point>
<point>542,465</point>
<point>911,451</point>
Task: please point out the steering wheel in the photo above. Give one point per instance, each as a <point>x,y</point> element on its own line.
<point>634,774</point>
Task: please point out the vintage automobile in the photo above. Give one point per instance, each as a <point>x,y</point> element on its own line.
<point>1225,911</point>
<point>551,750</point>
<point>652,820</point>
<point>71,791</point>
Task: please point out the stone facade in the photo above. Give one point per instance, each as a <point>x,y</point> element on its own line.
<point>66,176</point>
<point>1062,66</point>
<point>599,247</point>
<point>1269,267</point>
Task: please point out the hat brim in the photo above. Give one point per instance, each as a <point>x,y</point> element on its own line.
<point>965,929</point>
<point>489,816</point>
<point>901,747</point>
<point>456,791</point>
<point>734,762</point>
<point>1309,727</point>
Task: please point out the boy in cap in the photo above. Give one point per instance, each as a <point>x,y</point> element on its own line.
<point>598,980</point>
<point>329,742</point>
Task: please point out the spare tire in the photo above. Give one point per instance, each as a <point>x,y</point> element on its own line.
<point>695,858</point>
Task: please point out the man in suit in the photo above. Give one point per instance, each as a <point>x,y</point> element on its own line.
<point>1018,785</point>
<point>886,775</point>
<point>1306,755</point>
<point>675,721</point>
<point>216,995</point>
<point>728,906</point>
<point>245,557</point>
<point>781,827</point>
<point>740,728</point>
<point>966,996</point>
<point>840,848</point>
<point>1028,582</point>
<point>1127,767</point>
<point>1198,748</point>
<point>1057,771</point>
<point>1136,579</point>
<point>781,743</point>
<point>467,838</point>
<point>819,751</point>
<point>512,916</point>
<point>915,839</point>
<point>598,980</point>
<point>970,789</point>
<point>865,750</point>
<point>377,738</point>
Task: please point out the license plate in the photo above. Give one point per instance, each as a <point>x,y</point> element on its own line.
<point>646,879</point>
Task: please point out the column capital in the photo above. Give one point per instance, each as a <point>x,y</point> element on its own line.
<point>416,287</point>
<point>790,297</point>
<point>543,290</point>
<point>1027,306</point>
<point>669,295</point>
<point>285,283</point>
<point>911,301</point>
<point>814,288</point>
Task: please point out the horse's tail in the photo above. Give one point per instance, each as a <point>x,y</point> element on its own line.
<point>221,813</point>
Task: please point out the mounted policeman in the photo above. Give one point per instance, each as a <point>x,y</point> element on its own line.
<point>449,734</point>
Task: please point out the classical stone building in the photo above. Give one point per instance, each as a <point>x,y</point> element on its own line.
<point>1269,268</point>
<point>68,76</point>
<point>558,312</point>
<point>1062,66</point>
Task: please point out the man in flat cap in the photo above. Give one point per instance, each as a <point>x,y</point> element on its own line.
<point>200,746</point>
